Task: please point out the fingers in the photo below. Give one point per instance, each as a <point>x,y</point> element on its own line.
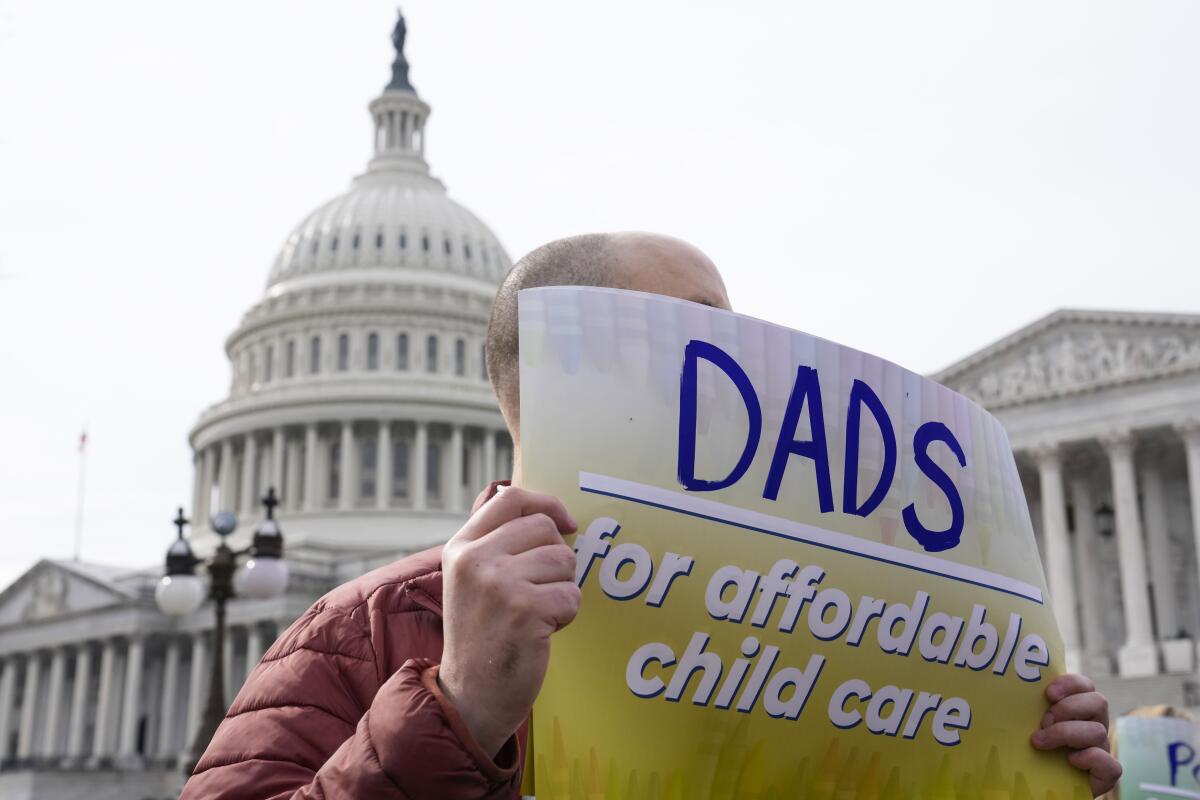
<point>1076,734</point>
<point>1103,770</point>
<point>521,534</point>
<point>558,601</point>
<point>1069,684</point>
<point>551,563</point>
<point>1086,706</point>
<point>514,503</point>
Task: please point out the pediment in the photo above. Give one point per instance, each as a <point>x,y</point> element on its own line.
<point>1069,352</point>
<point>51,589</point>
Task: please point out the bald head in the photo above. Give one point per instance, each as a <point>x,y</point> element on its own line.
<point>643,262</point>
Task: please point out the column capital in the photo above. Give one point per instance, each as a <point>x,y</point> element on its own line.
<point>1047,453</point>
<point>1118,441</point>
<point>1189,429</point>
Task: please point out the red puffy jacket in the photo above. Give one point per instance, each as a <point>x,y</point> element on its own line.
<point>346,704</point>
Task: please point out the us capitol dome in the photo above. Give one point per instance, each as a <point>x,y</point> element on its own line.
<point>358,385</point>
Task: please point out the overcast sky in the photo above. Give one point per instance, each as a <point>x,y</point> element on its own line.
<point>914,179</point>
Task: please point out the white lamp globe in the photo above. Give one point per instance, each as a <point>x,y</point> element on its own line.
<point>263,577</point>
<point>178,595</point>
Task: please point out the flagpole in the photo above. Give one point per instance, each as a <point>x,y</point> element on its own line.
<point>79,493</point>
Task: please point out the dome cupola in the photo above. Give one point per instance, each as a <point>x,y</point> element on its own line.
<point>396,216</point>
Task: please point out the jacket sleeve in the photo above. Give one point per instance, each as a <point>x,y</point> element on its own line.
<point>313,721</point>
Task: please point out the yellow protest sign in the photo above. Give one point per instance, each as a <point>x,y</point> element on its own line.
<point>806,571</point>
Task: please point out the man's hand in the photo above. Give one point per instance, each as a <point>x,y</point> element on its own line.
<point>509,583</point>
<point>1078,721</point>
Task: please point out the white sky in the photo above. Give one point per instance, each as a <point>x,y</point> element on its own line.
<point>914,179</point>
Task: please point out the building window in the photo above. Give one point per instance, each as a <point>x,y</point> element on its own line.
<point>343,352</point>
<point>333,244</point>
<point>402,352</point>
<point>379,241</point>
<point>289,359</point>
<point>484,253</point>
<point>400,469</point>
<point>316,245</point>
<point>268,363</point>
<point>251,377</point>
<point>354,243</point>
<point>367,470</point>
<point>425,243</point>
<point>431,354</point>
<point>483,373</point>
<point>467,250</point>
<point>373,351</point>
<point>314,355</point>
<point>403,241</point>
<point>446,246</point>
<point>433,470</point>
<point>460,357</point>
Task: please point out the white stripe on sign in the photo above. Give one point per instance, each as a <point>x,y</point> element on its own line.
<point>799,532</point>
<point>1168,790</point>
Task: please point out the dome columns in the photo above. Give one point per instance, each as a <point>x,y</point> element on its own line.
<point>420,462</point>
<point>399,119</point>
<point>384,460</point>
<point>352,465</point>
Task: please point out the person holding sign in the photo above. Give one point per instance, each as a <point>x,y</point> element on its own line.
<point>417,680</point>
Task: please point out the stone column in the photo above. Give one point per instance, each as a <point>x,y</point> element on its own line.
<point>454,487</point>
<point>132,711</point>
<point>8,684</point>
<point>383,465</point>
<point>419,485</point>
<point>249,459</point>
<point>1190,431</point>
<point>210,480</point>
<point>169,701</point>
<point>104,700</point>
<point>1158,544</point>
<point>254,647</point>
<point>226,500</point>
<point>79,700</point>
<point>1057,545</point>
<point>54,705</point>
<point>489,455</point>
<point>278,453</point>
<point>231,685</point>
<point>197,686</point>
<point>312,480</point>
<point>1138,656</point>
<point>347,488</point>
<point>30,712</point>
<point>291,494</point>
<point>1091,599</point>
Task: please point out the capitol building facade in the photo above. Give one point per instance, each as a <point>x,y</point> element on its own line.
<point>359,393</point>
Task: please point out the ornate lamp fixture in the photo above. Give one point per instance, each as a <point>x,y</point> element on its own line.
<point>181,592</point>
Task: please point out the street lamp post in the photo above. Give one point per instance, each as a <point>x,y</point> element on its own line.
<point>181,592</point>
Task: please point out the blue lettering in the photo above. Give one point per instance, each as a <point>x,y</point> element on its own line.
<point>694,351</point>
<point>807,387</point>
<point>860,395</point>
<point>936,541</point>
<point>1174,749</point>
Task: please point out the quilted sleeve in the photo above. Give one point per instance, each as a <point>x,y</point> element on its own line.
<point>313,721</point>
